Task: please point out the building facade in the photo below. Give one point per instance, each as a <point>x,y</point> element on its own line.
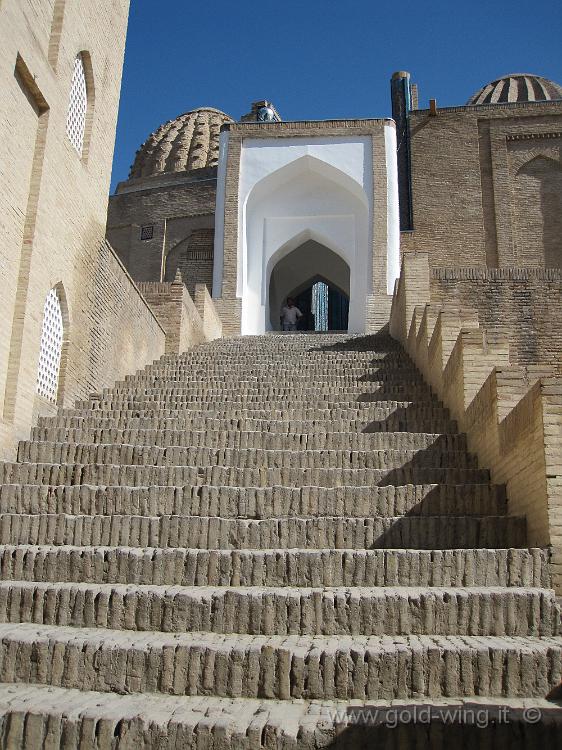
<point>71,317</point>
<point>264,209</point>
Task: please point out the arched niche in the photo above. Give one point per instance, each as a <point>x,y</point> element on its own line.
<point>306,200</point>
<point>538,193</point>
<point>292,272</point>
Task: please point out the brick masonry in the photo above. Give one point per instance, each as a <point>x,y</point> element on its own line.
<point>53,205</point>
<point>487,185</point>
<point>501,384</point>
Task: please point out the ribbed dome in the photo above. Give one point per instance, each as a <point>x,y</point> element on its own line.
<point>191,141</point>
<point>517,87</point>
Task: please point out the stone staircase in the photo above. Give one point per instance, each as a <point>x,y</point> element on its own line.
<point>250,544</point>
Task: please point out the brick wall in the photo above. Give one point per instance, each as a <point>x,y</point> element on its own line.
<point>124,333</point>
<point>487,185</point>
<point>176,206</point>
<point>194,259</point>
<point>53,200</point>
<point>523,304</point>
<point>505,395</point>
<point>187,321</point>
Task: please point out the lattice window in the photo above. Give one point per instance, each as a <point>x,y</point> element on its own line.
<point>147,232</point>
<point>78,105</point>
<point>320,306</point>
<point>51,348</point>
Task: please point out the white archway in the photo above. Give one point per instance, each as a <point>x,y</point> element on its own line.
<point>290,272</point>
<point>307,199</point>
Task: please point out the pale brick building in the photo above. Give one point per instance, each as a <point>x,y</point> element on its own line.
<point>257,540</point>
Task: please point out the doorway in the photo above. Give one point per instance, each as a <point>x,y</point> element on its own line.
<point>318,280</point>
<point>324,308</point>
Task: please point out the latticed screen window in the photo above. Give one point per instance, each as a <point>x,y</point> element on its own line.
<point>147,232</point>
<point>78,105</point>
<point>51,348</point>
<point>320,306</point>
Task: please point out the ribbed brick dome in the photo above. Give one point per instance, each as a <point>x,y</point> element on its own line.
<point>191,141</point>
<point>517,87</point>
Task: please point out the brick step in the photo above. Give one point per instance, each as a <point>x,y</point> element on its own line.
<point>252,666</point>
<point>322,372</point>
<point>260,403</point>
<point>178,476</point>
<point>344,379</point>
<point>277,347</point>
<point>186,422</point>
<point>145,455</point>
<point>74,718</point>
<point>278,567</point>
<point>284,611</point>
<point>293,353</point>
<point>367,419</point>
<point>241,439</point>
<point>204,390</point>
<point>259,503</point>
<point>204,532</point>
<point>285,364</point>
<point>375,375</point>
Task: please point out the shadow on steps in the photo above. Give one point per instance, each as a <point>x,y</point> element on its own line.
<point>463,725</point>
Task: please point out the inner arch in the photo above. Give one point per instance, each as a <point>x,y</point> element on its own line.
<point>299,269</point>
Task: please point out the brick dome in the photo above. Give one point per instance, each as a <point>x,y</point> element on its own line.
<point>191,141</point>
<point>517,87</point>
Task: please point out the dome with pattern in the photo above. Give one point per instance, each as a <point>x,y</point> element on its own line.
<point>189,142</point>
<point>517,87</point>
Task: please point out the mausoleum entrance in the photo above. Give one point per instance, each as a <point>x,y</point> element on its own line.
<point>318,279</point>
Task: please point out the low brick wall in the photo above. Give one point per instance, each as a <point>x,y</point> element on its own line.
<point>111,333</point>
<point>124,335</point>
<point>186,322</point>
<point>525,304</point>
<point>212,325</point>
<point>505,396</point>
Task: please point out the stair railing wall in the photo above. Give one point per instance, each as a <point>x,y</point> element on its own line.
<point>512,415</point>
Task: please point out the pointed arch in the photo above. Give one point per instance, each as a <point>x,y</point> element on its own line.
<point>53,347</point>
<point>293,196</point>
<point>303,164</point>
<point>299,239</point>
<point>538,212</point>
<point>538,164</point>
<point>294,271</point>
<point>81,100</point>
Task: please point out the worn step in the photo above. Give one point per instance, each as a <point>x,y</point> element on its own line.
<point>185,421</point>
<point>146,455</point>
<point>278,567</point>
<point>33,715</point>
<point>254,502</point>
<point>176,476</point>
<point>203,532</point>
<point>351,441</point>
<point>213,377</point>
<point>206,384</point>
<point>288,666</point>
<point>310,390</point>
<point>285,610</point>
<point>266,410</point>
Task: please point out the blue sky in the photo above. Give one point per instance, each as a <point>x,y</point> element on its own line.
<point>320,59</point>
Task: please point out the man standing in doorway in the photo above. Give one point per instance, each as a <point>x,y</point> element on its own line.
<point>290,314</point>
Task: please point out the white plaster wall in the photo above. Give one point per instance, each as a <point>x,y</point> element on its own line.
<point>393,213</point>
<point>295,189</point>
<point>218,257</point>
